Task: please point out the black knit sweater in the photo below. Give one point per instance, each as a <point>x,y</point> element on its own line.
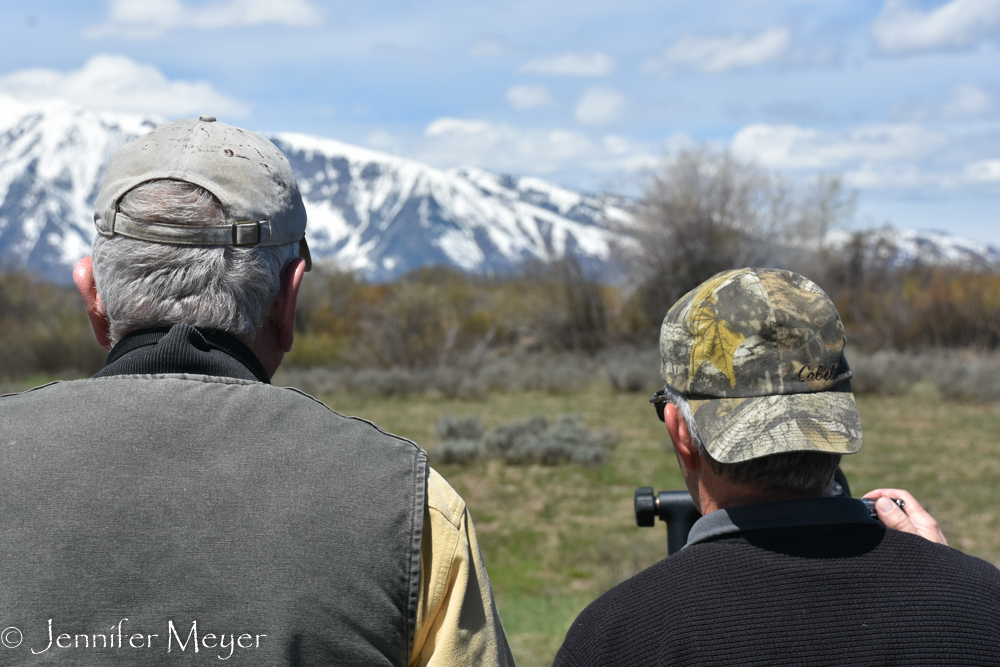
<point>183,349</point>
<point>819,595</point>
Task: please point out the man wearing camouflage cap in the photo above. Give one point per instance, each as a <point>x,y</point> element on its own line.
<point>759,409</point>
<point>177,506</point>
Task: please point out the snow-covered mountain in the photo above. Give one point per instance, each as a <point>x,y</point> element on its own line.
<point>931,248</point>
<point>368,211</point>
<point>383,215</point>
<point>52,157</point>
<point>374,213</point>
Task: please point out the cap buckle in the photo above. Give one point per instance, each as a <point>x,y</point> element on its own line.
<point>246,233</point>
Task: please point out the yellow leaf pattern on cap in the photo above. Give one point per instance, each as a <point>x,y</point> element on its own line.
<point>716,341</point>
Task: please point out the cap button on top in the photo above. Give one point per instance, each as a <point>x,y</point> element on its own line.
<point>207,119</point>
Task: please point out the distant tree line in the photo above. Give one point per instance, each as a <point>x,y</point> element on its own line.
<point>702,212</point>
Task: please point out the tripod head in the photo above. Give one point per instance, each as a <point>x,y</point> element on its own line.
<point>673,507</point>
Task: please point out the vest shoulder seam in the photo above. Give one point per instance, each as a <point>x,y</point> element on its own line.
<point>192,377</point>
<point>41,386</point>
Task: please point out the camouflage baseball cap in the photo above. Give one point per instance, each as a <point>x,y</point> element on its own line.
<point>759,354</point>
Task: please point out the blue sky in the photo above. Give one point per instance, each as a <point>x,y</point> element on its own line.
<point>901,97</point>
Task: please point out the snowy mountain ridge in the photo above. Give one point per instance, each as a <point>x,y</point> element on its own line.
<point>51,162</point>
<point>374,213</point>
<point>370,212</point>
<point>929,247</point>
<point>384,215</point>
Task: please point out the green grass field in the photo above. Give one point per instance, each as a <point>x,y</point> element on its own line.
<point>556,537</point>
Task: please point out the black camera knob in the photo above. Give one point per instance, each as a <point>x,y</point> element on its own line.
<point>645,506</point>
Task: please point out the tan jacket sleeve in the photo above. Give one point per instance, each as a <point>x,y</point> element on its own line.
<point>457,621</point>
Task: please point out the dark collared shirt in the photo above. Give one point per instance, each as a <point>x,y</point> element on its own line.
<point>786,514</point>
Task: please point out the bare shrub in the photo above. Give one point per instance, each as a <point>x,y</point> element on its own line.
<point>705,211</point>
<point>954,374</point>
<point>365,382</point>
<point>566,439</point>
<point>315,380</point>
<point>623,368</point>
<point>508,440</point>
<point>630,370</point>
<point>970,377</point>
<point>887,372</point>
<point>459,428</point>
<point>553,372</point>
<point>461,452</point>
<point>579,319</point>
<point>389,383</point>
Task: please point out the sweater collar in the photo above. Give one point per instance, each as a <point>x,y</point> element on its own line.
<point>786,514</point>
<point>183,349</point>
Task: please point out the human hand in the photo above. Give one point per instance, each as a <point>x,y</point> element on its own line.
<point>914,520</point>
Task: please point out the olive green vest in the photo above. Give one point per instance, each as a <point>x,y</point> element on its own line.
<point>167,519</point>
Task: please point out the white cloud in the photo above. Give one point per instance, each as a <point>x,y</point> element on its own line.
<point>793,147</point>
<point>141,18</point>
<point>618,145</point>
<point>901,28</point>
<point>962,102</point>
<point>489,46</point>
<point>967,101</point>
<point>458,141</point>
<point>460,127</point>
<point>508,148</point>
<point>722,53</point>
<point>600,106</point>
<point>572,64</point>
<point>382,140</point>
<point>909,158</point>
<point>116,83</point>
<point>528,97</point>
<point>984,171</point>
<point>632,155</point>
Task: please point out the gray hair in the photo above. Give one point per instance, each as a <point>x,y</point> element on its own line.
<point>145,285</point>
<point>788,472</point>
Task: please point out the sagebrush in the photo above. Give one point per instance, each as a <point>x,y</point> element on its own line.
<point>565,439</point>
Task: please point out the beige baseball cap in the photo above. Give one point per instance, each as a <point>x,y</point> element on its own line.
<point>759,354</point>
<point>247,173</point>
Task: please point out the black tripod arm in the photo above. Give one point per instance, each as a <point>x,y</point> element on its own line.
<point>675,508</point>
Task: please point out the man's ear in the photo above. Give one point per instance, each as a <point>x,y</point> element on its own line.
<point>283,311</point>
<point>687,453</point>
<point>83,277</point>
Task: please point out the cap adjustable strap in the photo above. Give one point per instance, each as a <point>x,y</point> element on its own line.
<point>242,233</point>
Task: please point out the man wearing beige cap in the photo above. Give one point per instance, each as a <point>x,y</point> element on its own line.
<point>177,506</point>
<point>759,409</point>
